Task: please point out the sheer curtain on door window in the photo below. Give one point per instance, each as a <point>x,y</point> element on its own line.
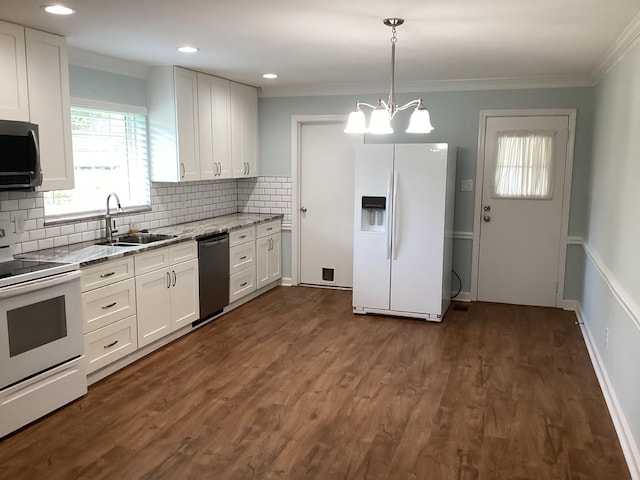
<point>524,165</point>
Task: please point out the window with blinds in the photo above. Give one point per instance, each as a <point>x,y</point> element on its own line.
<point>524,165</point>
<point>109,155</point>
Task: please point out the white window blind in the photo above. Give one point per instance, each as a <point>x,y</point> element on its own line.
<point>109,155</point>
<point>524,165</point>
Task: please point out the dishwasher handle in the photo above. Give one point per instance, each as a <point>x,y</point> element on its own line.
<point>215,240</point>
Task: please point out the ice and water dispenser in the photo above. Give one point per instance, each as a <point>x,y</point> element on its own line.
<point>374,214</point>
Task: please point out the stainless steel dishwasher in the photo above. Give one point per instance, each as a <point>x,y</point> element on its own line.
<point>213,266</point>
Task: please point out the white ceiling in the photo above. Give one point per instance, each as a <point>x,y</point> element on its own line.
<point>326,46</point>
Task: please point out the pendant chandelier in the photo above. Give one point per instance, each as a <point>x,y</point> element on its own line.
<point>383,111</point>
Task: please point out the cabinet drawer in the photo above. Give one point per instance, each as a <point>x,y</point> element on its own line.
<point>106,273</point>
<point>242,257</point>
<point>242,284</point>
<point>153,260</point>
<point>110,343</point>
<point>183,252</point>
<point>237,237</point>
<point>268,228</point>
<point>105,305</point>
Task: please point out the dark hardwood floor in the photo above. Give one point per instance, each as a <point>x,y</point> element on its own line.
<point>294,386</point>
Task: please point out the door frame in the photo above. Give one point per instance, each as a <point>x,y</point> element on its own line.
<point>297,122</point>
<point>566,201</point>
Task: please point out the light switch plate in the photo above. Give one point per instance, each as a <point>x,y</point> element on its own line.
<point>466,185</point>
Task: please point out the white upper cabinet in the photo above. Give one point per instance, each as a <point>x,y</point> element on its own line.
<point>14,99</point>
<point>173,124</point>
<point>214,115</point>
<point>49,107</point>
<point>244,130</point>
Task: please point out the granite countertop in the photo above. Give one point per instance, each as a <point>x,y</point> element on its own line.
<point>87,253</point>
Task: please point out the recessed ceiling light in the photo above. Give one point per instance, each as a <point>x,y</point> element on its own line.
<point>269,75</point>
<point>187,49</point>
<point>58,9</point>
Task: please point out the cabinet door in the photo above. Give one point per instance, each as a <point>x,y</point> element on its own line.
<point>153,304</point>
<point>268,260</point>
<point>185,301</point>
<point>244,130</point>
<point>214,118</point>
<point>14,100</point>
<point>187,123</point>
<point>49,107</point>
<point>263,245</point>
<point>275,258</point>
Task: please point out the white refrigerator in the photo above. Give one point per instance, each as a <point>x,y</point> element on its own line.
<point>403,229</point>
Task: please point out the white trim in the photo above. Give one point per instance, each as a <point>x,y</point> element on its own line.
<point>463,297</point>
<point>297,121</point>
<point>94,61</point>
<point>629,447</point>
<point>463,235</point>
<point>571,305</point>
<point>111,106</point>
<point>575,241</point>
<point>628,304</point>
<point>627,40</point>
<point>475,256</point>
<point>460,85</point>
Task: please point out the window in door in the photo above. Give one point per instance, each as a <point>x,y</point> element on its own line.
<point>524,165</point>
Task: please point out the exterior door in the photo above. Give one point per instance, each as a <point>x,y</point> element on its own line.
<point>522,203</point>
<point>326,204</point>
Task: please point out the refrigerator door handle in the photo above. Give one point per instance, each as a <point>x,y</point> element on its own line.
<point>389,188</point>
<point>394,247</point>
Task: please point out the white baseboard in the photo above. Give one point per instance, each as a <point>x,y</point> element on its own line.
<point>629,447</point>
<point>463,297</point>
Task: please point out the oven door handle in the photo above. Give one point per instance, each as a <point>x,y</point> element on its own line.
<point>27,287</point>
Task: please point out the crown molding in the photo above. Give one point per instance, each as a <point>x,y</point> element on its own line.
<point>95,61</point>
<point>426,86</point>
<point>627,40</point>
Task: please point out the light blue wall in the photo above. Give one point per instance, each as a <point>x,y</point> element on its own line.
<point>455,116</point>
<point>107,87</point>
<point>610,299</point>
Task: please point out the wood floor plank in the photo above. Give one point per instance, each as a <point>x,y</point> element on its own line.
<point>293,385</point>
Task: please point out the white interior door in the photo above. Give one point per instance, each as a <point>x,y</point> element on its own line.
<point>522,202</point>
<point>326,204</point>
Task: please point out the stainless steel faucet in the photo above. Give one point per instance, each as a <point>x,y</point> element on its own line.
<point>109,231</point>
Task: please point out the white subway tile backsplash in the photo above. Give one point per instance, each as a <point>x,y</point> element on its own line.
<point>171,204</point>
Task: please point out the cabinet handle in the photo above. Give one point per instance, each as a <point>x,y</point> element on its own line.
<point>168,280</point>
<point>243,257</point>
<point>219,169</point>
<point>243,284</point>
<point>174,277</point>
<point>269,229</point>
<point>242,236</point>
<point>104,307</point>
<point>182,170</point>
<point>111,344</point>
<point>105,275</point>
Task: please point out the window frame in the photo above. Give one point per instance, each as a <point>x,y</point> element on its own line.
<point>76,102</point>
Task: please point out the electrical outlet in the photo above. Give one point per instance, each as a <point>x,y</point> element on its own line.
<point>606,338</point>
<point>466,185</point>
<point>18,219</point>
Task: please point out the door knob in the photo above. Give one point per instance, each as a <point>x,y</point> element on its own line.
<point>487,208</point>
<point>303,209</point>
<point>486,218</point>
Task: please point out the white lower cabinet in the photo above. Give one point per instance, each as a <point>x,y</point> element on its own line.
<point>242,263</point>
<point>109,308</point>
<point>268,253</point>
<point>108,344</point>
<point>167,296</point>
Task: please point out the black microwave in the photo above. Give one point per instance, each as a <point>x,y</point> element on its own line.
<point>19,156</point>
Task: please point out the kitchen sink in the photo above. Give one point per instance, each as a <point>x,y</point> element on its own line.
<point>132,239</point>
